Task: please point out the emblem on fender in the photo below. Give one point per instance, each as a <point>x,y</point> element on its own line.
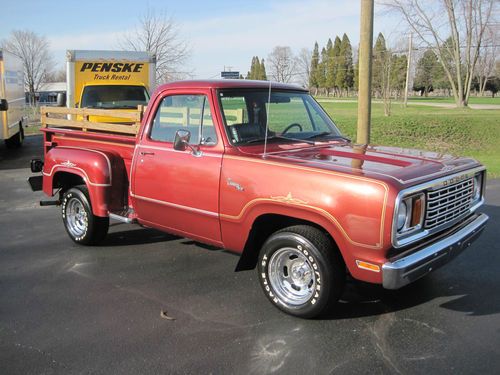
<point>68,164</point>
<point>235,185</point>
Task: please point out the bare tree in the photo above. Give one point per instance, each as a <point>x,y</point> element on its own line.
<point>34,51</point>
<point>485,67</point>
<point>58,75</point>
<point>304,66</point>
<point>158,34</point>
<point>454,29</point>
<point>282,64</point>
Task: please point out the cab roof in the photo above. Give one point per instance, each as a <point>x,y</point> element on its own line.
<point>230,84</point>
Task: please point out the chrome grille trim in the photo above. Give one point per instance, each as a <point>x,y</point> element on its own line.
<point>448,203</point>
<point>433,190</point>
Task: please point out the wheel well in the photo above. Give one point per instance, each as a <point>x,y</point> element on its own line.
<point>66,180</point>
<point>262,228</point>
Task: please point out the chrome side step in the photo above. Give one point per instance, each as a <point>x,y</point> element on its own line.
<point>123,219</point>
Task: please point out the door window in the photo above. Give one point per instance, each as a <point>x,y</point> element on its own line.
<point>184,112</point>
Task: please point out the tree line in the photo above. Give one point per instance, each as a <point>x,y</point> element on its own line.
<point>459,39</point>
<point>333,69</point>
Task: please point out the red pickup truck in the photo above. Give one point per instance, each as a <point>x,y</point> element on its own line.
<point>260,169</point>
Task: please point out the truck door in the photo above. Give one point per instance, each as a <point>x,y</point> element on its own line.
<point>177,190</point>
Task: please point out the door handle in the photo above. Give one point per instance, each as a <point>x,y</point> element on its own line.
<point>146,153</point>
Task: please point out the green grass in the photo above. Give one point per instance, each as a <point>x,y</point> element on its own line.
<point>440,99</point>
<point>429,99</point>
<point>33,116</point>
<point>460,132</point>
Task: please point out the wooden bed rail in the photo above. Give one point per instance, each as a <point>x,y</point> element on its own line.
<point>121,121</point>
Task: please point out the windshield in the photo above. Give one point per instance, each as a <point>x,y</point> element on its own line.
<point>114,97</point>
<point>292,116</point>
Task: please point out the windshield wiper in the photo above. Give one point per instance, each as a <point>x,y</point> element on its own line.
<point>255,140</point>
<point>329,135</point>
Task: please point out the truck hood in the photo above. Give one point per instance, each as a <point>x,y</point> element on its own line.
<point>404,166</point>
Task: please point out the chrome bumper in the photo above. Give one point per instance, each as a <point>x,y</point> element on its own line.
<point>412,267</point>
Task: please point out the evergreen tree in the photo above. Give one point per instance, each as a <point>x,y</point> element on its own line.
<point>257,69</point>
<point>337,63</point>
<point>442,81</point>
<point>321,72</point>
<point>425,75</point>
<point>398,73</point>
<point>313,72</point>
<point>356,75</point>
<point>379,64</point>
<point>345,69</point>
<point>262,71</point>
<point>330,66</point>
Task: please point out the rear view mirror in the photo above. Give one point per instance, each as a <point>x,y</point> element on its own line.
<point>181,140</point>
<point>61,99</point>
<point>4,105</point>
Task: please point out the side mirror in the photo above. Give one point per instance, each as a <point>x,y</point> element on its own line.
<point>61,99</point>
<point>4,105</point>
<point>181,142</point>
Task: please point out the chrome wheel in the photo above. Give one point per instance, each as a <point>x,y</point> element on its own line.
<point>291,276</point>
<point>76,218</point>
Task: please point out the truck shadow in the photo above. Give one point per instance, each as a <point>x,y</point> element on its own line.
<point>136,236</point>
<point>469,284</point>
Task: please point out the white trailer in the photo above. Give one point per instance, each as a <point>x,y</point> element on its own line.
<point>12,99</point>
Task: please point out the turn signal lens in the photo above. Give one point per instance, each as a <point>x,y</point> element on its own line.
<point>367,266</point>
<point>416,212</point>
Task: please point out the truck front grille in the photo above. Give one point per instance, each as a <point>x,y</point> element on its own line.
<point>448,203</point>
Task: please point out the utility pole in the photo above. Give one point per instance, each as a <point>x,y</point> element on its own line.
<point>365,71</point>
<point>408,71</point>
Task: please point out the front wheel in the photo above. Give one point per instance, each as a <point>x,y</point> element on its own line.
<point>301,272</point>
<point>82,225</point>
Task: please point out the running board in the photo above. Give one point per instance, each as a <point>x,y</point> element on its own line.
<point>123,219</point>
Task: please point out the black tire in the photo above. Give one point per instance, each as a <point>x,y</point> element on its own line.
<point>16,140</point>
<point>301,271</point>
<point>82,226</point>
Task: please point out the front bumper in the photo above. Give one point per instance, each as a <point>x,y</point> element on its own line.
<point>405,270</point>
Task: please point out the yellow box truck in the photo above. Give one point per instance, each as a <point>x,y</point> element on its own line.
<point>109,79</point>
<point>12,99</point>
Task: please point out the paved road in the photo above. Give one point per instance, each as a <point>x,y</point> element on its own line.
<point>66,309</point>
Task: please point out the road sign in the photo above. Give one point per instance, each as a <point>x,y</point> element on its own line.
<point>230,75</point>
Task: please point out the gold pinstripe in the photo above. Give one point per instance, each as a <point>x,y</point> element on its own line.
<point>320,210</point>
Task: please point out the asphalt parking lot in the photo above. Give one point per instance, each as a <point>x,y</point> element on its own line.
<point>67,309</point>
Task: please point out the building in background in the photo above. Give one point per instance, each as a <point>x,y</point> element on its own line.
<point>47,94</point>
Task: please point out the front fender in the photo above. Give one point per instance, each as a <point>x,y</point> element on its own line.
<point>94,167</point>
<point>234,226</point>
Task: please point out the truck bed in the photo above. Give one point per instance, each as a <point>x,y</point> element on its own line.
<point>75,127</point>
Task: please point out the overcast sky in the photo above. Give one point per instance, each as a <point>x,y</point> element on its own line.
<point>219,33</point>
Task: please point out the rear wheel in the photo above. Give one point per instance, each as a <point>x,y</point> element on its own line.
<point>16,140</point>
<point>82,226</point>
<point>301,272</point>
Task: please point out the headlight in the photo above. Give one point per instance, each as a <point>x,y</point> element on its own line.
<point>402,215</point>
<point>478,181</point>
<point>410,213</point>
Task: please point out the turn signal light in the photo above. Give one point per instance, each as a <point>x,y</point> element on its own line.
<point>416,212</point>
<point>367,266</point>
